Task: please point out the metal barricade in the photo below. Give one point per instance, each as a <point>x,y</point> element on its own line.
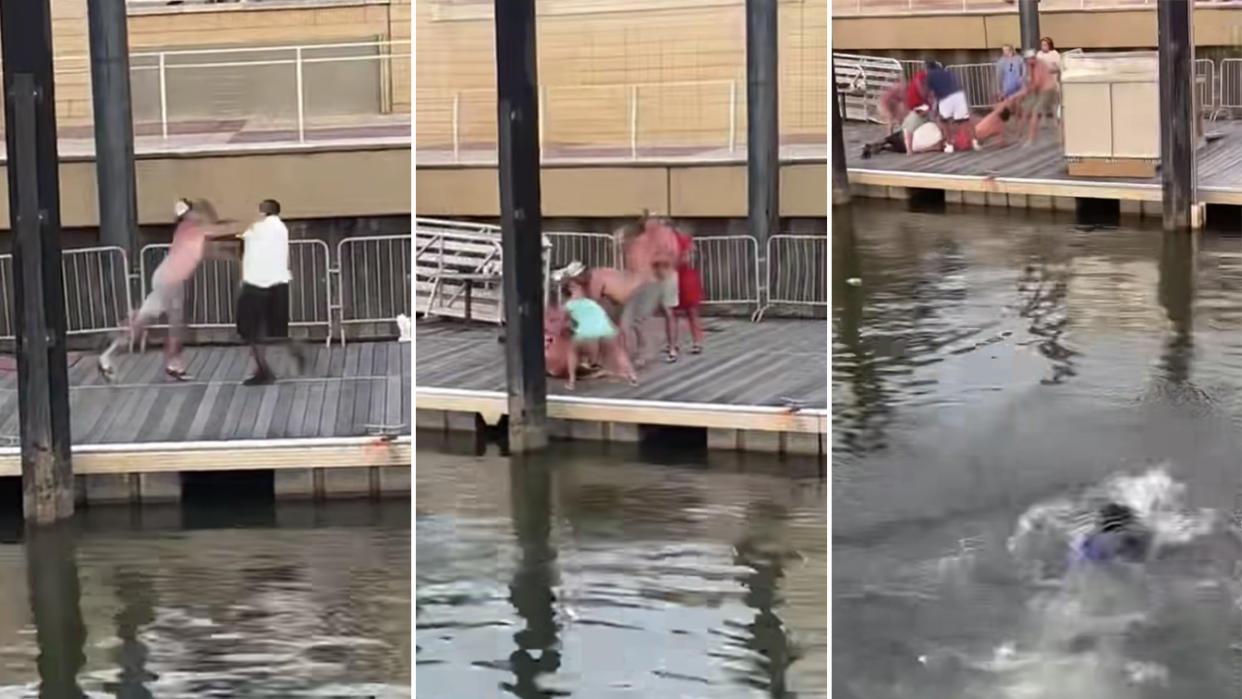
<point>96,289</point>
<point>1205,86</point>
<point>861,80</point>
<point>375,278</point>
<point>797,271</point>
<point>211,295</point>
<point>1229,96</point>
<point>591,249</point>
<point>978,81</point>
<point>728,267</point>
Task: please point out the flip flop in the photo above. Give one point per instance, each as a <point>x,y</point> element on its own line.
<point>107,372</point>
<point>176,374</point>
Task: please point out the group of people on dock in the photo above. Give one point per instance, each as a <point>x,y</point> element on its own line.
<point>262,303</point>
<point>597,319</point>
<point>934,113</point>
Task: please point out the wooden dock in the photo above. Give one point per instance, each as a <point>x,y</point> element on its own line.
<point>350,411</point>
<point>1035,176</point>
<point>757,387</point>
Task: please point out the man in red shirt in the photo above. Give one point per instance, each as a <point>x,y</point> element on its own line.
<point>915,90</point>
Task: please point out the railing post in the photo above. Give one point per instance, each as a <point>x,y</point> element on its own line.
<point>634,122</point>
<point>732,116</point>
<point>297,61</point>
<point>456,127</point>
<point>163,96</point>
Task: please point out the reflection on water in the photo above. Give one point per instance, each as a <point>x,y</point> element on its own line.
<point>166,602</point>
<point>589,572</point>
<point>988,366</point>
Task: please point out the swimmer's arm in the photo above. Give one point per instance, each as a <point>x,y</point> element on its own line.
<point>223,229</point>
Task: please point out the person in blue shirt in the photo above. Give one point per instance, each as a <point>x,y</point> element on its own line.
<point>1118,536</point>
<point>592,331</point>
<point>1009,72</point>
<point>949,100</point>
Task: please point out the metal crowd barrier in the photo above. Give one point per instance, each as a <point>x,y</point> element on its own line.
<point>860,82</point>
<point>96,285</point>
<point>979,82</point>
<point>211,296</point>
<point>797,271</point>
<point>728,267</point>
<point>591,249</point>
<point>1229,96</point>
<point>375,278</point>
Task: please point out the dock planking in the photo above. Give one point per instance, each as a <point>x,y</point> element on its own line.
<point>143,406</point>
<point>743,363</point>
<point>1219,162</point>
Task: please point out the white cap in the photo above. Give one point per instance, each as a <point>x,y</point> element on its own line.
<point>181,208</point>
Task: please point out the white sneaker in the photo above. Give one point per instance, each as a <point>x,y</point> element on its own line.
<point>974,144</point>
<point>948,149</point>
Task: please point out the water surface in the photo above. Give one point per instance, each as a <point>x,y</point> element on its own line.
<point>996,374</point>
<point>226,600</point>
<point>602,573</point>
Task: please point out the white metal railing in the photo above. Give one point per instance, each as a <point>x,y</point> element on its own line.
<point>211,295</point>
<point>861,80</point>
<point>978,81</point>
<point>640,110</point>
<point>165,66</point>
<point>591,249</point>
<point>728,267</point>
<point>844,8</point>
<point>797,271</point>
<point>1205,85</point>
<point>375,278</point>
<point>1229,96</point>
<point>96,289</point>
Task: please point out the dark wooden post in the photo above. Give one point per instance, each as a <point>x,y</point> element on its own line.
<point>840,177</point>
<point>114,124</point>
<point>55,604</point>
<point>39,297</point>
<point>521,223</point>
<point>1177,112</point>
<point>1028,24</point>
<point>763,137</point>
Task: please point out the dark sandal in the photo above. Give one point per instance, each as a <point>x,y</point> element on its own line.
<point>670,355</point>
<point>696,349</point>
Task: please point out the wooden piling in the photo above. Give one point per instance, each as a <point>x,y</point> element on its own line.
<point>762,129</point>
<point>521,222</point>
<point>39,301</point>
<point>840,176</point>
<point>1177,132</point>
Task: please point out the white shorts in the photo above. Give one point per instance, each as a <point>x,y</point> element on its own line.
<point>926,137</point>
<point>669,286</point>
<point>954,107</point>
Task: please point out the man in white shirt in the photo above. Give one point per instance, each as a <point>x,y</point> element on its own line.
<point>263,305</point>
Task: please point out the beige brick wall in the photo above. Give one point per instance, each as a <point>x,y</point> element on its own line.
<point>224,26</point>
<point>683,54</point>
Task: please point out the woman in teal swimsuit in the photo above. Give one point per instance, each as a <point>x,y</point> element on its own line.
<point>589,328</point>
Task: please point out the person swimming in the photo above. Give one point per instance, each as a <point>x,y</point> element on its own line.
<point>1118,536</point>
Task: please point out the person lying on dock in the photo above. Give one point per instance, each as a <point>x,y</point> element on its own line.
<point>991,129</point>
<point>197,224</point>
<point>917,135</point>
<point>1118,536</point>
<point>591,330</point>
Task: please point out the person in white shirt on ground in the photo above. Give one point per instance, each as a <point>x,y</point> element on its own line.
<point>263,305</point>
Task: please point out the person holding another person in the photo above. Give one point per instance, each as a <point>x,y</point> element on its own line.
<point>1039,95</point>
<point>263,305</point>
<point>949,101</point>
<point>917,135</point>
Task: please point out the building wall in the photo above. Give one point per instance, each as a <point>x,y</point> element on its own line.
<point>331,90</point>
<point>309,184</point>
<point>1095,29</point>
<point>686,57</point>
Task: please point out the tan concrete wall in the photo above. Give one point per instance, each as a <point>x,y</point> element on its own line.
<point>1096,29</point>
<point>235,25</point>
<point>620,190</point>
<point>682,53</point>
<point>308,184</point>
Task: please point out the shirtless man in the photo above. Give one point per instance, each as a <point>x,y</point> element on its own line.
<point>652,255</point>
<point>991,126</point>
<point>1040,93</point>
<point>197,223</point>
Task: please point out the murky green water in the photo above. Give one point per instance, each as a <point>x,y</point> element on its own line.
<point>609,573</point>
<point>993,374</point>
<point>292,600</point>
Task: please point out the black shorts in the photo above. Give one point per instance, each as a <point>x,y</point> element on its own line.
<point>263,313</point>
